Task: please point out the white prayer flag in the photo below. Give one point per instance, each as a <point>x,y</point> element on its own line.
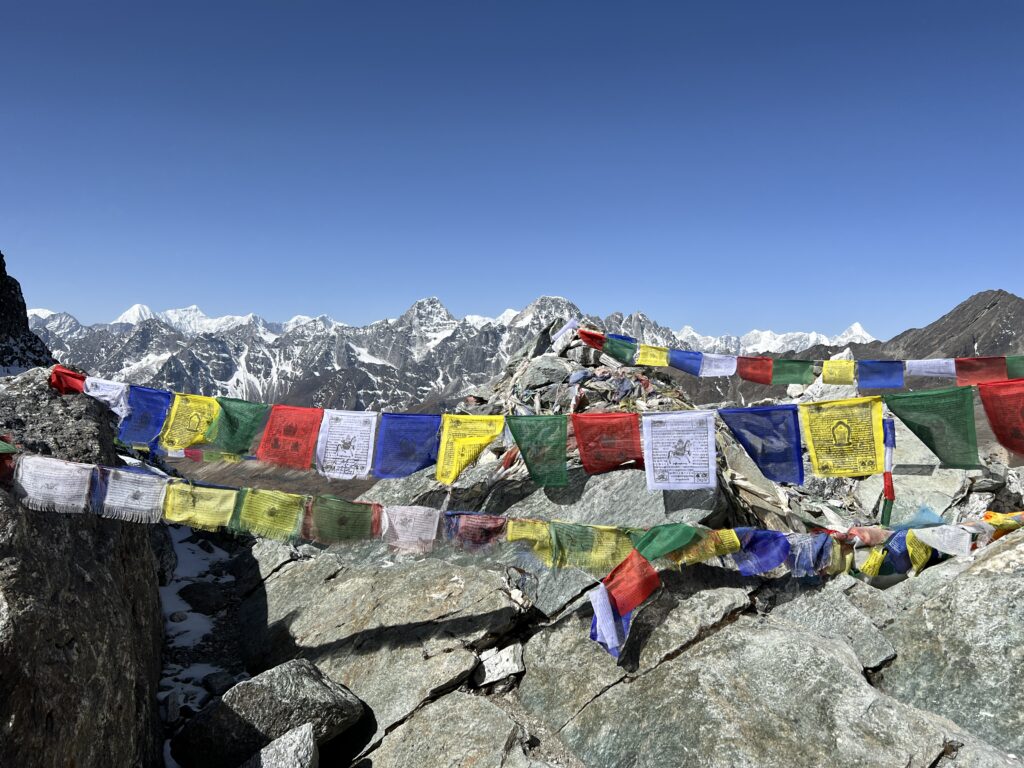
<point>717,365</point>
<point>113,393</point>
<point>344,448</point>
<point>52,485</point>
<point>411,529</point>
<point>574,323</point>
<point>951,539</point>
<point>137,497</point>
<point>887,467</point>
<point>679,450</point>
<point>942,367</point>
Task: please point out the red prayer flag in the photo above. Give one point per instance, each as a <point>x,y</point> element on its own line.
<point>757,369</point>
<point>591,338</point>
<point>978,370</point>
<point>632,582</point>
<point>888,491</point>
<point>607,440</point>
<point>64,380</point>
<point>290,436</point>
<point>1004,406</point>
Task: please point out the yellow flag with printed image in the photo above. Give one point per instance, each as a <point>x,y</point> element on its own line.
<point>649,355</point>
<point>536,533</point>
<point>844,437</point>
<point>192,420</point>
<point>463,438</point>
<point>198,506</point>
<point>837,371</point>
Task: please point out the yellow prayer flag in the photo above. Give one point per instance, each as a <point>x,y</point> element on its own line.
<point>596,548</point>
<point>649,355</point>
<point>874,562</point>
<point>1004,521</point>
<point>920,553</point>
<point>837,371</point>
<point>272,514</point>
<point>192,419</point>
<point>198,506</point>
<point>462,440</point>
<point>844,437</point>
<point>842,559</point>
<point>714,544</point>
<point>536,533</point>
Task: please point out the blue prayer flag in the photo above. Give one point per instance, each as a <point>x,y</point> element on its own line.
<point>809,554</point>
<point>771,436</point>
<point>146,415</point>
<point>406,443</point>
<point>897,557</point>
<point>889,432</point>
<point>620,337</point>
<point>685,360</point>
<point>879,374</point>
<point>761,551</point>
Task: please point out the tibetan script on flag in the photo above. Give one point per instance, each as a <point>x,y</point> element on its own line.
<point>679,450</point>
<point>844,437</point>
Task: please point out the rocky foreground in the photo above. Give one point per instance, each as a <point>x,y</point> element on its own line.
<point>271,654</point>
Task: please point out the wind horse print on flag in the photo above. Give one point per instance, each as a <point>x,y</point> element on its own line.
<point>51,485</point>
<point>199,506</point>
<point>463,439</point>
<point>190,421</point>
<point>238,424</point>
<point>290,436</point>
<point>679,450</point>
<point>844,437</point>
<point>345,445</point>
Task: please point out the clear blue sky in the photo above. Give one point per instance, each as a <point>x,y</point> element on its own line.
<point>728,165</point>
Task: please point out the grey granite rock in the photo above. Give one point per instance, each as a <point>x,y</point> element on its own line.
<point>296,749</point>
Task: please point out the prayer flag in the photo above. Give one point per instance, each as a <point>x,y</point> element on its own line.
<point>1015,367</point>
<point>760,551</point>
<point>837,371</point>
<point>113,394</point>
<point>238,425</point>
<point>189,421</point>
<point>717,365</point>
<point>941,367</point>
<point>679,450</point>
<point>951,539</point>
<point>873,564</point>
<point>685,360</point>
<point>290,436</point>
<point>147,412</point>
<point>619,349</point>
<point>332,520</point>
<point>533,532</point>
<point>888,491</point>
<point>842,558</point>
<point>879,374</point>
<point>607,628</point>
<point>134,496</point>
<point>792,372</point>
<point>542,441</point>
<point>920,553</point>
<point>199,506</point>
<point>714,544</point>
<point>654,356</point>
<point>1004,406</point>
<point>411,529</point>
<point>757,369</point>
<point>66,381</point>
<point>406,443</point>
<point>591,338</point>
<point>589,547</point>
<point>770,434</point>
<point>621,337</point>
<point>809,554</point>
<point>474,531</point>
<point>344,447</point>
<point>943,419</point>
<point>660,540</point>
<point>271,514</point>
<point>978,370</point>
<point>897,554</point>
<point>607,440</point>
<point>844,437</point>
<point>51,485</point>
<point>1004,521</point>
<point>463,439</point>
<point>571,325</point>
<point>632,582</point>
<point>7,448</point>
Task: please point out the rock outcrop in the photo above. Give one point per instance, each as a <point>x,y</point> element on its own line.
<point>20,349</point>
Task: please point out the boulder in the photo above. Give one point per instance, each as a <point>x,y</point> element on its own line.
<point>296,749</point>
<point>204,596</point>
<point>543,371</point>
<point>255,712</point>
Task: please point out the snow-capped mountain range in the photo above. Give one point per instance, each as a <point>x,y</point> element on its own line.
<point>425,354</point>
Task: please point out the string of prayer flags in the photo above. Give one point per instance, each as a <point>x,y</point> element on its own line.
<point>632,582</point>
<point>685,360</point>
<point>619,349</point>
<point>332,520</point>
<point>714,544</point>
<point>271,514</point>
<point>344,447</point>
<point>411,529</point>
<point>655,356</point>
<point>147,412</point>
<point>607,440</point>
<point>942,419</point>
<point>475,531</point>
<point>844,437</point>
<point>756,369</point>
<point>661,540</point>
<point>591,338</point>
<point>979,370</point>
<point>463,439</point>
<point>879,374</point>
<point>66,381</point>
<point>51,485</point>
<point>809,554</point>
<point>290,436</point>
<point>920,553</point>
<point>406,443</point>
<point>786,372</point>
<point>542,441</point>
<point>717,365</point>
<point>770,434</point>
<point>939,367</point>
<point>130,495</point>
<point>1015,366</point>
<point>838,371</point>
<point>679,450</point>
<point>199,506</point>
<point>534,533</point>
<point>1004,406</point>
<point>238,425</point>
<point>607,628</point>
<point>760,551</point>
<point>191,418</point>
<point>588,547</point>
<point>113,394</point>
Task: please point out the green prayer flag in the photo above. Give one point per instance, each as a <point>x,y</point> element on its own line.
<point>333,520</point>
<point>1015,367</point>
<point>541,441</point>
<point>237,425</point>
<point>792,372</point>
<point>621,350</point>
<point>943,419</point>
<point>662,539</point>
<point>597,548</point>
<point>7,447</point>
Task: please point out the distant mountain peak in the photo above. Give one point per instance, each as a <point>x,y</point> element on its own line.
<point>41,313</point>
<point>135,314</point>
